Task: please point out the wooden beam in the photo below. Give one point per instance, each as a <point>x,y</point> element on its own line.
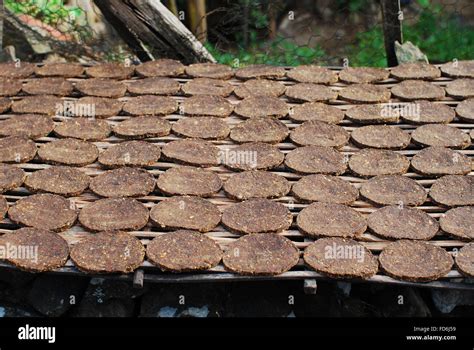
<point>392,28</point>
<point>152,31</point>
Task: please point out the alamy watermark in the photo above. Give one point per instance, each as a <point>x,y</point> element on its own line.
<point>75,109</point>
<point>390,109</point>
<point>344,252</point>
<point>19,252</point>
<point>238,158</point>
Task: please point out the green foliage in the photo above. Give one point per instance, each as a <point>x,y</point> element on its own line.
<point>53,13</point>
<point>279,52</point>
<point>440,36</point>
<point>353,5</point>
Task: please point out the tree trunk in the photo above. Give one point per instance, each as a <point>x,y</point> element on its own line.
<point>392,28</point>
<point>152,31</point>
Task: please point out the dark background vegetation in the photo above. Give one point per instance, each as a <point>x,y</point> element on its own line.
<point>280,32</point>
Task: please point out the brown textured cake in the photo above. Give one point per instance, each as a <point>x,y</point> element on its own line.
<point>150,105</point>
<point>101,87</point>
<point>60,69</point>
<point>441,135</point>
<point>32,126</point>
<point>68,152</point>
<point>365,93</point>
<point>123,182</point>
<point>316,133</point>
<point>184,251</point>
<point>465,110</point>
<point>461,88</point>
<point>438,161</point>
<point>459,222</point>
<point>316,111</point>
<point>422,112</point>
<point>260,71</point>
<point>44,104</point>
<point>330,220</point>
<point>261,106</point>
<point>209,70</point>
<point>9,86</point>
<point>256,184</point>
<point>102,107</point>
<point>373,114</point>
<point>417,90</point>
<point>307,92</point>
<point>312,74</point>
<point>50,250</point>
<point>206,105</point>
<point>61,180</point>
<point>160,68</point>
<point>453,190</point>
<point>5,104</point>
<point>363,75</point>
<point>372,162</point>
<point>381,136</point>
<point>259,87</point>
<point>86,129</point>
<point>44,211</point>
<point>153,86</point>
<point>465,260</point>
<point>3,207</point>
<point>260,129</point>
<point>340,258</point>
<point>192,152</point>
<point>183,212</point>
<point>15,70</point>
<point>110,70</point>
<point>458,69</point>
<point>415,70</point>
<point>325,188</point>
<point>186,180</point>
<point>398,222</point>
<point>54,86</point>
<point>415,261</point>
<point>11,177</point>
<point>316,160</point>
<point>142,127</point>
<point>16,149</point>
<point>110,214</point>
<point>108,252</point>
<point>207,86</point>
<point>252,156</point>
<point>393,190</point>
<point>257,216</point>
<point>261,254</point>
<point>206,128</point>
<point>130,153</point>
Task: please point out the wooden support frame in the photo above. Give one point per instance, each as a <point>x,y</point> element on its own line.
<point>392,28</point>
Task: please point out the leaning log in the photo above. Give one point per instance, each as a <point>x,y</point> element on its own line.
<point>152,31</point>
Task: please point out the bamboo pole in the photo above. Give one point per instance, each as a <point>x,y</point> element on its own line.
<point>172,6</point>
<point>197,19</point>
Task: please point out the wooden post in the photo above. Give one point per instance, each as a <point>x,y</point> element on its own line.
<point>2,15</point>
<point>392,28</point>
<point>152,31</point>
<point>197,19</point>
